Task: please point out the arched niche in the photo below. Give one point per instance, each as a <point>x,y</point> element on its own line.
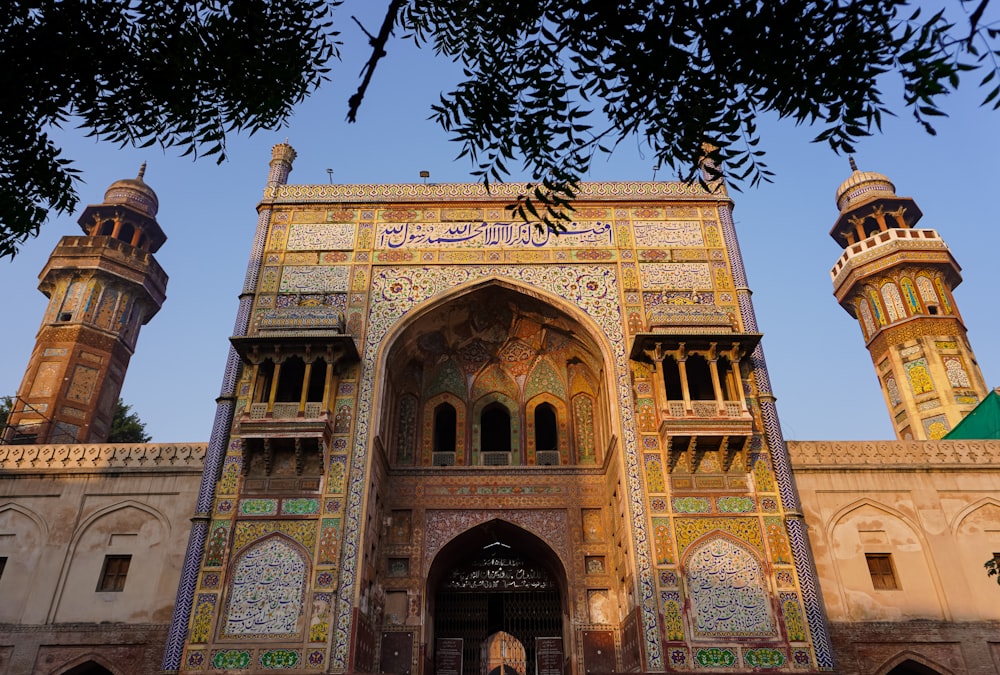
<point>869,528</point>
<point>128,528</point>
<point>911,663</point>
<point>266,590</point>
<point>727,585</point>
<point>22,538</point>
<point>493,343</point>
<point>975,542</point>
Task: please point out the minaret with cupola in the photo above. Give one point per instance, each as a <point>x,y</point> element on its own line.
<point>102,287</point>
<point>897,281</point>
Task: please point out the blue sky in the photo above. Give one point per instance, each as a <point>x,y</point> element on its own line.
<point>820,370</point>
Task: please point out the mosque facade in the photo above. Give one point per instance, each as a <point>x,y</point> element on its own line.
<point>452,442</point>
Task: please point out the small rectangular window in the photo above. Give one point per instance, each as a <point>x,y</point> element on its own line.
<point>880,567</point>
<point>3,563</point>
<point>113,574</point>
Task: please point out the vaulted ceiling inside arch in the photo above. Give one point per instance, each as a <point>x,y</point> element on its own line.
<point>493,327</point>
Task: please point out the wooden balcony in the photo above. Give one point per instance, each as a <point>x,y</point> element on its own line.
<point>725,427</point>
<point>286,420</point>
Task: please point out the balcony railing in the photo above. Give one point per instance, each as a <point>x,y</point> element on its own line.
<point>443,459</point>
<point>895,235</point>
<point>495,458</point>
<point>705,409</point>
<point>285,411</point>
<point>547,458</point>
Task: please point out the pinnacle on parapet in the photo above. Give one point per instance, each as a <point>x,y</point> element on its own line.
<point>283,152</point>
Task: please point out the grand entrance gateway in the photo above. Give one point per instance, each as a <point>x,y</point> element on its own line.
<point>452,443</point>
<point>477,447</point>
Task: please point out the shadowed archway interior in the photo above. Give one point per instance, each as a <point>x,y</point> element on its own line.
<point>498,589</point>
<point>494,377</point>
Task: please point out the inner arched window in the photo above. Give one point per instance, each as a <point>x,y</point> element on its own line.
<point>265,375</point>
<point>728,379</point>
<point>672,379</point>
<point>494,426</point>
<point>445,420</point>
<point>546,428</point>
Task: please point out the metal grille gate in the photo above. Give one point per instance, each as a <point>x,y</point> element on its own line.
<point>474,616</point>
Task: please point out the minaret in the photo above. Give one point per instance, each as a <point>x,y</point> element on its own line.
<point>102,287</point>
<point>898,281</point>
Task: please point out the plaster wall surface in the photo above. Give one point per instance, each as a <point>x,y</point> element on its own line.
<point>933,507</point>
<point>63,509</point>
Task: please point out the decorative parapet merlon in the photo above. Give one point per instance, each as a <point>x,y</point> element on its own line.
<point>893,455</point>
<point>99,457</point>
<point>498,192</point>
<point>880,244</point>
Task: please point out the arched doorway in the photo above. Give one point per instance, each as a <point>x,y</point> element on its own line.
<point>88,668</point>
<point>911,667</point>
<point>497,596</point>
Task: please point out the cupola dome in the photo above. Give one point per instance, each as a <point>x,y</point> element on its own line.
<point>863,186</point>
<point>135,193</point>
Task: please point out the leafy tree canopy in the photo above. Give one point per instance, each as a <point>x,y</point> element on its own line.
<point>547,83</point>
<point>689,79</point>
<point>126,427</point>
<point>6,405</point>
<point>174,73</point>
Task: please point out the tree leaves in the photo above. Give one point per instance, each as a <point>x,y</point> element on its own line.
<point>126,427</point>
<point>993,568</point>
<point>178,74</point>
<point>552,83</point>
<point>548,84</point>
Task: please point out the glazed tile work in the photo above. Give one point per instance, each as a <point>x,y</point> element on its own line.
<point>897,281</point>
<point>475,393</point>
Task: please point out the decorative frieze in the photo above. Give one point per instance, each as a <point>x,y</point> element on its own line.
<point>871,455</point>
<point>103,456</point>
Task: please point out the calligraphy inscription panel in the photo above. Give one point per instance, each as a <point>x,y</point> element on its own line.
<point>676,275</point>
<point>484,234</point>
<point>668,234</point>
<point>314,279</point>
<point>321,237</point>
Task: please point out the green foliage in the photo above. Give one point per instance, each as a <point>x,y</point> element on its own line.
<point>173,73</point>
<point>551,83</point>
<point>126,427</point>
<point>548,84</point>
<point>993,568</point>
<point>6,405</point>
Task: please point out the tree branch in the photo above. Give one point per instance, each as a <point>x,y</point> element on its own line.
<point>974,18</point>
<point>378,51</point>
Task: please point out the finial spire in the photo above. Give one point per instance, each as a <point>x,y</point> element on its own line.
<point>142,171</point>
<point>854,166</point>
<point>282,156</point>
